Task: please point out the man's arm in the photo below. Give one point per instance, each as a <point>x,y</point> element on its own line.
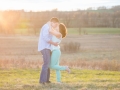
<point>45,33</point>
<point>46,36</point>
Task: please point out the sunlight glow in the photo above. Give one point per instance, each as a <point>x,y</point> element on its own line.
<point>40,5</point>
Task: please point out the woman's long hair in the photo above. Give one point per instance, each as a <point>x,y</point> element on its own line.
<point>62,29</point>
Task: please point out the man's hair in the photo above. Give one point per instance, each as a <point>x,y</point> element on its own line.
<point>62,29</point>
<point>54,19</point>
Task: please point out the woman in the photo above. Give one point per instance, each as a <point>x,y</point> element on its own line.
<point>58,34</point>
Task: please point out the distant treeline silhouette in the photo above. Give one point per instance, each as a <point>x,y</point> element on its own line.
<point>12,20</point>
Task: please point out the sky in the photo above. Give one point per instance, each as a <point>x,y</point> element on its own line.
<point>60,5</point>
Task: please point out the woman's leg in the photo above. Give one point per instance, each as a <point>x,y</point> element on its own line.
<point>58,75</point>
<point>55,57</point>
<point>55,63</point>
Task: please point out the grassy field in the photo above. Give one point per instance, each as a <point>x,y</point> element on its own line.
<point>90,31</point>
<point>20,62</point>
<point>27,79</point>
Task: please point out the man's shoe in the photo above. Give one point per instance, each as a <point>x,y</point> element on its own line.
<point>48,82</point>
<point>42,83</point>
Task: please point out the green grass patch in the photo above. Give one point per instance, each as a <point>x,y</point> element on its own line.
<point>27,79</point>
<point>76,31</point>
<point>94,31</point>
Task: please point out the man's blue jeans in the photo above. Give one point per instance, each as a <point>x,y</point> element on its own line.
<point>45,72</point>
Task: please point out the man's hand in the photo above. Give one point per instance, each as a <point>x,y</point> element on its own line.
<point>54,43</point>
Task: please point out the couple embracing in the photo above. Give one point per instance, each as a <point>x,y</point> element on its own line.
<point>51,35</point>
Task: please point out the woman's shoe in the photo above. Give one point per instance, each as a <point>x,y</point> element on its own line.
<point>59,82</point>
<point>67,69</point>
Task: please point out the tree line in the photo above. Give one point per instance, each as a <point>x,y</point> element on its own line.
<point>13,20</point>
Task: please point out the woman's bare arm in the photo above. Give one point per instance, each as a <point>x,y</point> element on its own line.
<point>55,33</point>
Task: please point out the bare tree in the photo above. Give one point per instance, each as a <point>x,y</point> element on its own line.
<point>114,19</point>
<point>67,18</point>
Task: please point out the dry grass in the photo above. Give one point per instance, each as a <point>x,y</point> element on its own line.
<point>96,52</point>
<point>97,65</point>
<point>23,64</point>
<point>83,64</point>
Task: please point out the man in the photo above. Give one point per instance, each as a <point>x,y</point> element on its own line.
<point>44,46</point>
